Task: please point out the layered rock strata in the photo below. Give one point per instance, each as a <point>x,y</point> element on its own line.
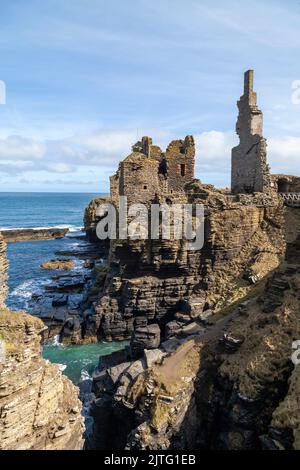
<point>24,235</point>
<point>3,271</point>
<point>233,386</point>
<point>39,407</point>
<point>152,281</point>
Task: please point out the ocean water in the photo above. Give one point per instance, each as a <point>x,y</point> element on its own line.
<point>80,361</point>
<point>30,210</point>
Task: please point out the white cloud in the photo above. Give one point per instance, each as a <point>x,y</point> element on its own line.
<point>284,154</point>
<point>60,168</point>
<point>214,148</point>
<point>100,151</point>
<point>100,148</point>
<point>21,148</point>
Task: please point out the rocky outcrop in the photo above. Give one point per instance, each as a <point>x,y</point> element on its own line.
<point>33,234</point>
<point>154,280</point>
<point>91,219</point>
<point>223,314</point>
<point>39,407</point>
<point>3,271</point>
<point>58,264</point>
<point>231,386</point>
<point>217,391</point>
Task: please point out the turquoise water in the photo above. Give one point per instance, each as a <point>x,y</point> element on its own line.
<point>80,360</point>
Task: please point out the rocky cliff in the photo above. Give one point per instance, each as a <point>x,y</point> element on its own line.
<point>230,386</point>
<point>39,407</point>
<point>155,281</point>
<point>3,268</point>
<point>91,218</point>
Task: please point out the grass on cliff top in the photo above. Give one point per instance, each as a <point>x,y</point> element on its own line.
<point>241,294</point>
<point>169,379</point>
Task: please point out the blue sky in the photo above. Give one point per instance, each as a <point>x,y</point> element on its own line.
<point>85,78</point>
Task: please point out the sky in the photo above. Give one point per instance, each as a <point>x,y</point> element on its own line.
<point>85,79</point>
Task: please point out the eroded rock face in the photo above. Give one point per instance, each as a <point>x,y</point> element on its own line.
<point>228,391</point>
<point>39,407</point>
<point>58,264</point>
<point>152,281</point>
<point>30,234</point>
<point>231,386</point>
<point>3,275</point>
<point>91,219</point>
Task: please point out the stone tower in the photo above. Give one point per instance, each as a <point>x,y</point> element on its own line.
<point>249,169</point>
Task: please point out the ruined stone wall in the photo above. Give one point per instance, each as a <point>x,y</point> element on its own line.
<point>115,187</point>
<point>230,387</point>
<point>146,147</point>
<point>148,173</point>
<point>180,160</point>
<point>139,178</point>
<point>286,183</point>
<point>250,172</point>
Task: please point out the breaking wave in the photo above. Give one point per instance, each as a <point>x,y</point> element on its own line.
<point>72,228</point>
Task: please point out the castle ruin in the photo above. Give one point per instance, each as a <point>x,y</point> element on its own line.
<point>148,173</point>
<point>249,171</point>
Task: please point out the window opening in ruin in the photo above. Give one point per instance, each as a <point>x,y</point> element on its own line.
<point>283,186</point>
<point>182,169</point>
<point>163,168</point>
<point>145,187</point>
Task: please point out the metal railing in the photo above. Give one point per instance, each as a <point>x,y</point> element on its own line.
<point>291,199</point>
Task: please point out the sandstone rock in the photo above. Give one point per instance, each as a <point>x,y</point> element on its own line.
<point>39,407</point>
<point>145,338</point>
<point>116,371</point>
<point>192,329</point>
<point>203,394</point>
<point>3,271</point>
<point>58,264</point>
<point>21,235</point>
<point>153,356</point>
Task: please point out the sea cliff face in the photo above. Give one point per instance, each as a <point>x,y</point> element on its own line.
<point>231,386</point>
<point>3,275</point>
<point>39,407</point>
<point>156,281</point>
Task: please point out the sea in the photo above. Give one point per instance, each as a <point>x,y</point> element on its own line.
<point>36,210</point>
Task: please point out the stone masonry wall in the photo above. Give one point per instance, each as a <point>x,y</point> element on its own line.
<point>250,172</point>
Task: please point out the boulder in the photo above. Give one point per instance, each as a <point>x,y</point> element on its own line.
<point>145,338</point>
<point>153,356</point>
